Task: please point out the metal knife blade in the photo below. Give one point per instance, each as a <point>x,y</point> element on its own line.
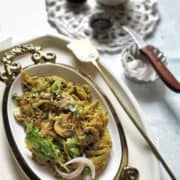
<point>136,37</point>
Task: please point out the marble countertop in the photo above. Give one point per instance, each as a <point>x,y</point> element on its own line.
<point>160,105</point>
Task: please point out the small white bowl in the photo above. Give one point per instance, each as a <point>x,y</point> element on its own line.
<point>137,67</point>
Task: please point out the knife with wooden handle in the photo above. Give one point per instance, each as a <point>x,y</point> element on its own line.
<point>163,72</point>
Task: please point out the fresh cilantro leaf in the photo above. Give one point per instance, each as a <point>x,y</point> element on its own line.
<point>43,147</point>
<point>72,146</point>
<point>55,89</point>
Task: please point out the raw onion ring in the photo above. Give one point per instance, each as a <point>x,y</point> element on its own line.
<point>72,174</point>
<point>85,162</point>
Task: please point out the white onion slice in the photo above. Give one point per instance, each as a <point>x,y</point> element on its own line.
<point>73,174</point>
<point>84,161</point>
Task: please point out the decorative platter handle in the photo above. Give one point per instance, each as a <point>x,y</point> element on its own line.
<point>129,173</point>
<point>12,69</point>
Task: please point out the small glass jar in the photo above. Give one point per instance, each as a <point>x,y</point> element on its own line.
<point>101,23</point>
<point>111,2</point>
<point>76,1</point>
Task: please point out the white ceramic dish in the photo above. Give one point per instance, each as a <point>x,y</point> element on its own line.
<point>16,140</point>
<point>139,154</point>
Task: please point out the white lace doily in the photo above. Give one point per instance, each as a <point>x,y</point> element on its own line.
<point>73,21</point>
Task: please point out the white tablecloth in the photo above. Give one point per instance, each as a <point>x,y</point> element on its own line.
<point>161,106</point>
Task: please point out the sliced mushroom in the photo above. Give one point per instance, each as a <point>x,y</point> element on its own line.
<point>64,126</point>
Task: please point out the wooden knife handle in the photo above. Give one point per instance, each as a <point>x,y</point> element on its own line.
<point>161,69</point>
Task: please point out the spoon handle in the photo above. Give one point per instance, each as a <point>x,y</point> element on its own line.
<point>141,131</point>
<point>161,69</point>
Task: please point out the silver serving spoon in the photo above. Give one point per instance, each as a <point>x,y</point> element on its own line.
<point>85,52</point>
